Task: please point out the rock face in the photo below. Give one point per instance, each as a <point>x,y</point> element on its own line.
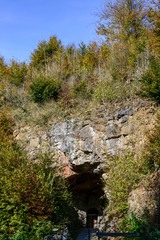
<point>83,144</point>
<point>145,200</point>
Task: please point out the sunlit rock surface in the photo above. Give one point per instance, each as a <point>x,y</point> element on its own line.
<point>83,148</point>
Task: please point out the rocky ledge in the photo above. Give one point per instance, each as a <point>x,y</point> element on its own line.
<point>85,143</point>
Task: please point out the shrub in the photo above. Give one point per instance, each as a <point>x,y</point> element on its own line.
<point>123,175</point>
<point>130,223</point>
<point>151,79</point>
<point>43,89</point>
<point>34,197</point>
<point>109,89</point>
<point>17,72</point>
<point>3,68</point>
<point>81,90</point>
<point>152,150</point>
<point>5,124</point>
<point>90,58</point>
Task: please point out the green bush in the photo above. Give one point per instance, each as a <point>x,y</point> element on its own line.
<point>81,90</point>
<point>124,173</point>
<point>132,224</point>
<point>17,72</point>
<point>151,153</point>
<point>38,231</point>
<point>108,89</point>
<point>151,79</point>
<point>43,89</point>
<point>34,197</point>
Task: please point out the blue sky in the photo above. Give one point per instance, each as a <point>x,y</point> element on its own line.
<point>24,23</point>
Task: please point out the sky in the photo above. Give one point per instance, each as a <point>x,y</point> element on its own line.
<point>24,23</point>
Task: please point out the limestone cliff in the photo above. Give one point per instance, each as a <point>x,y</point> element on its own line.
<point>145,199</point>
<point>82,145</point>
<point>85,142</point>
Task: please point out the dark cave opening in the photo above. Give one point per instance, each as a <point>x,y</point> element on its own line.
<point>88,196</point>
<point>92,217</point>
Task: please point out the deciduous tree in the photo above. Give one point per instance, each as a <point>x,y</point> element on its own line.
<point>122,19</point>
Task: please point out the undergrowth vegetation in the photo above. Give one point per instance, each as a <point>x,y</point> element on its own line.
<point>131,223</point>
<point>152,150</point>
<point>151,79</point>
<point>34,195</point>
<point>43,89</point>
<point>122,66</point>
<point>125,173</point>
<point>64,81</point>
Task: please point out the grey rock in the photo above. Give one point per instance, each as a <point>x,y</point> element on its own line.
<point>145,199</point>
<point>109,118</point>
<point>114,144</point>
<point>127,130</point>
<point>126,111</point>
<point>124,119</point>
<point>111,131</point>
<point>85,143</point>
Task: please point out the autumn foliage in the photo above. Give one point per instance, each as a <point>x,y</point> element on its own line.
<point>60,80</point>
<point>32,194</point>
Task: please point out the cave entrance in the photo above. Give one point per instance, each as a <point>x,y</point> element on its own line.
<point>92,216</point>
<point>87,192</point>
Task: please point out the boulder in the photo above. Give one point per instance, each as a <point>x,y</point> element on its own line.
<point>144,201</point>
